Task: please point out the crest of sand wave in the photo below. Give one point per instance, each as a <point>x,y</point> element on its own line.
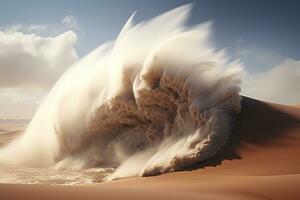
<point>157,99</point>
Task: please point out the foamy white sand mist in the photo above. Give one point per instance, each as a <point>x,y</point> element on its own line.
<point>157,99</point>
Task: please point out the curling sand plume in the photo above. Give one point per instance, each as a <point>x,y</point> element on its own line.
<point>157,99</point>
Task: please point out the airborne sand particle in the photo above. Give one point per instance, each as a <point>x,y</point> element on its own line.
<point>157,99</point>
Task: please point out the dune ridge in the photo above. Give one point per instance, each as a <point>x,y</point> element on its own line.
<point>260,162</point>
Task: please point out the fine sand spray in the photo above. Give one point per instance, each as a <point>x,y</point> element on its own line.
<point>159,98</point>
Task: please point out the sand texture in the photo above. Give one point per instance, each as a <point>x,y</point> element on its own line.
<point>261,161</point>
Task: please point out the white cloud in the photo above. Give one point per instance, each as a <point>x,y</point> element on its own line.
<point>269,75</point>
<point>32,58</point>
<point>70,22</point>
<point>281,84</point>
<point>67,23</point>
<point>37,29</point>
<point>29,66</point>
<point>15,103</point>
<point>256,58</point>
<point>31,61</point>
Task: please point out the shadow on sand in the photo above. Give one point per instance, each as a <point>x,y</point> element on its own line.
<point>256,123</point>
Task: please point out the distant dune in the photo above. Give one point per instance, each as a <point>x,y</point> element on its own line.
<point>9,126</point>
<point>8,136</point>
<point>261,161</point>
<point>2,130</point>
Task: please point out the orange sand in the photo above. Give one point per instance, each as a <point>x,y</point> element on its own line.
<point>261,161</point>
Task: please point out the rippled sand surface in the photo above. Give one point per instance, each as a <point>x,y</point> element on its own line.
<point>53,176</point>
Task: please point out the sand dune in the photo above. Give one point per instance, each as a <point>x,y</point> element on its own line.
<point>261,161</point>
<point>7,136</point>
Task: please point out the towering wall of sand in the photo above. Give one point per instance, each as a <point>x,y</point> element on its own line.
<point>159,98</point>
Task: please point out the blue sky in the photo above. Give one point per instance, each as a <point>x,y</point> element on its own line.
<point>261,26</point>
<point>263,34</point>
